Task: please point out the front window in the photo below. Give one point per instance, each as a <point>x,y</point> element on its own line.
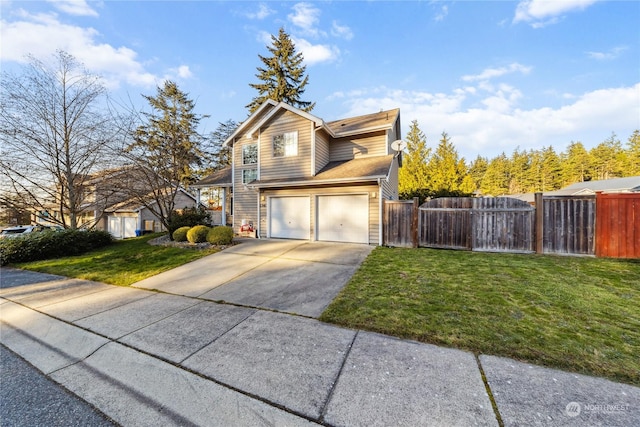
<point>249,154</point>
<point>249,175</point>
<point>285,145</point>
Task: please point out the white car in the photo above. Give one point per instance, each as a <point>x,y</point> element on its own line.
<point>21,230</point>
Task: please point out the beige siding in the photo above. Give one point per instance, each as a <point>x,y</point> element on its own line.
<point>322,150</point>
<point>244,199</point>
<point>285,167</point>
<point>389,188</point>
<point>374,205</point>
<point>348,148</point>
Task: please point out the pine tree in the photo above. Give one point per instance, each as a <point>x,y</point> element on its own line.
<point>477,170</point>
<point>575,164</point>
<point>497,177</point>
<point>414,174</point>
<point>283,77</point>
<point>216,155</point>
<point>447,170</point>
<point>607,158</point>
<point>633,154</point>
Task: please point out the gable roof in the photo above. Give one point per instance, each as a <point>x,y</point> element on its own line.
<point>630,183</point>
<point>368,123</point>
<point>361,169</point>
<point>337,129</point>
<point>221,178</point>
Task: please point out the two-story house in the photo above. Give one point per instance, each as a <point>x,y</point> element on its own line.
<point>296,176</point>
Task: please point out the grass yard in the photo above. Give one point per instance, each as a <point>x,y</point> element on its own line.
<point>122,263</point>
<point>576,314</point>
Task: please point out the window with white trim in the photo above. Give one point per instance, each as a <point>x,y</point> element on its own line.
<point>285,145</point>
<point>250,154</point>
<point>249,175</point>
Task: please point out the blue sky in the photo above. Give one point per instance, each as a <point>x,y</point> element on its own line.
<point>494,75</point>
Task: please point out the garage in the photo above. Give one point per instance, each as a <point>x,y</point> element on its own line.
<point>343,218</point>
<point>122,227</point>
<point>289,217</point>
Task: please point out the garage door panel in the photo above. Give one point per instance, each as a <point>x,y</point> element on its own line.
<point>343,218</point>
<point>289,217</point>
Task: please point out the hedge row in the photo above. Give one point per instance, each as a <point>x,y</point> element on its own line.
<point>220,235</point>
<point>51,244</point>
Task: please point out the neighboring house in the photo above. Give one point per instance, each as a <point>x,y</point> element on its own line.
<point>629,184</point>
<point>215,192</point>
<point>108,205</point>
<point>297,177</point>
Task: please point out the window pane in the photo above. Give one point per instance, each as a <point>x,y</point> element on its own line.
<point>285,144</point>
<point>249,154</point>
<point>249,175</point>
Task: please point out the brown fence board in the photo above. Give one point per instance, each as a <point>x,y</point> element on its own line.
<point>398,223</point>
<point>618,225</point>
<point>503,224</point>
<point>569,224</point>
<point>446,223</point>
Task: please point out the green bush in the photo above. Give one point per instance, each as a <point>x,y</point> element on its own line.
<point>221,235</point>
<point>51,244</point>
<point>180,235</point>
<point>198,234</point>
<point>188,217</point>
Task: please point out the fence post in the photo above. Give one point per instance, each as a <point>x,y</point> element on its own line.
<point>539,223</point>
<point>414,222</point>
<point>384,225</point>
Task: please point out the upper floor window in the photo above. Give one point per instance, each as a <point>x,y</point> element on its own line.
<point>285,145</point>
<point>249,175</point>
<point>249,154</point>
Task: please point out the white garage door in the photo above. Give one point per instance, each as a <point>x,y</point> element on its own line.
<point>343,218</point>
<point>122,227</point>
<point>289,217</point>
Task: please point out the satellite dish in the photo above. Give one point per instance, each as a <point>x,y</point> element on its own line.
<point>398,145</point>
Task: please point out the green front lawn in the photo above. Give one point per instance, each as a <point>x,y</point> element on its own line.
<point>577,314</point>
<point>122,263</point>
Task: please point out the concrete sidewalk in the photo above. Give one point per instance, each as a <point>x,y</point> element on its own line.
<point>149,358</point>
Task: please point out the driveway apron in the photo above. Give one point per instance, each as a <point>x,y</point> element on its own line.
<point>291,276</point>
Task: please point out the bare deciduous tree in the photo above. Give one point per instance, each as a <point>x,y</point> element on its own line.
<point>55,131</point>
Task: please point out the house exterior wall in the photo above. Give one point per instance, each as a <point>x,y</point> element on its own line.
<point>370,189</point>
<point>389,188</point>
<point>322,150</point>
<point>373,144</point>
<point>289,166</point>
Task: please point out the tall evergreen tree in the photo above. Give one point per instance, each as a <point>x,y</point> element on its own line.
<point>477,170</point>
<point>447,170</point>
<point>607,158</point>
<point>575,164</point>
<point>497,177</point>
<point>520,173</point>
<point>166,150</point>
<point>216,156</point>
<point>633,154</point>
<point>283,76</point>
<point>414,173</point>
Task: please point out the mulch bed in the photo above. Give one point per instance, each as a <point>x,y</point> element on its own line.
<point>165,241</point>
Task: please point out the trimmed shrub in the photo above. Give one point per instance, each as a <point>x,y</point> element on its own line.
<point>180,235</point>
<point>221,235</point>
<point>198,234</point>
<point>188,217</point>
<point>51,244</point>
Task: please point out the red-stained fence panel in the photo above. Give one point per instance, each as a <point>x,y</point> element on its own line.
<point>618,225</point>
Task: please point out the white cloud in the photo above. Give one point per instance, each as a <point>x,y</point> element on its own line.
<point>540,13</point>
<point>74,7</point>
<point>491,73</point>
<point>306,17</point>
<point>341,31</point>
<point>41,35</point>
<point>182,72</point>
<point>494,123</point>
<point>444,11</point>
<point>262,12</point>
<point>606,56</point>
<point>316,53</point>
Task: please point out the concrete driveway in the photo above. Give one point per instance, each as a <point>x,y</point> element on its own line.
<point>291,276</point>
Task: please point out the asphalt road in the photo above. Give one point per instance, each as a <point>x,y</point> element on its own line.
<point>28,398</point>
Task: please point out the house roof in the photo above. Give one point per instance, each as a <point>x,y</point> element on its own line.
<point>367,123</point>
<point>630,183</point>
<point>337,129</point>
<point>221,178</point>
<point>361,169</point>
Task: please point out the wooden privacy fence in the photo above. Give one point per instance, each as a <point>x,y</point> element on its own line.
<point>557,225</point>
